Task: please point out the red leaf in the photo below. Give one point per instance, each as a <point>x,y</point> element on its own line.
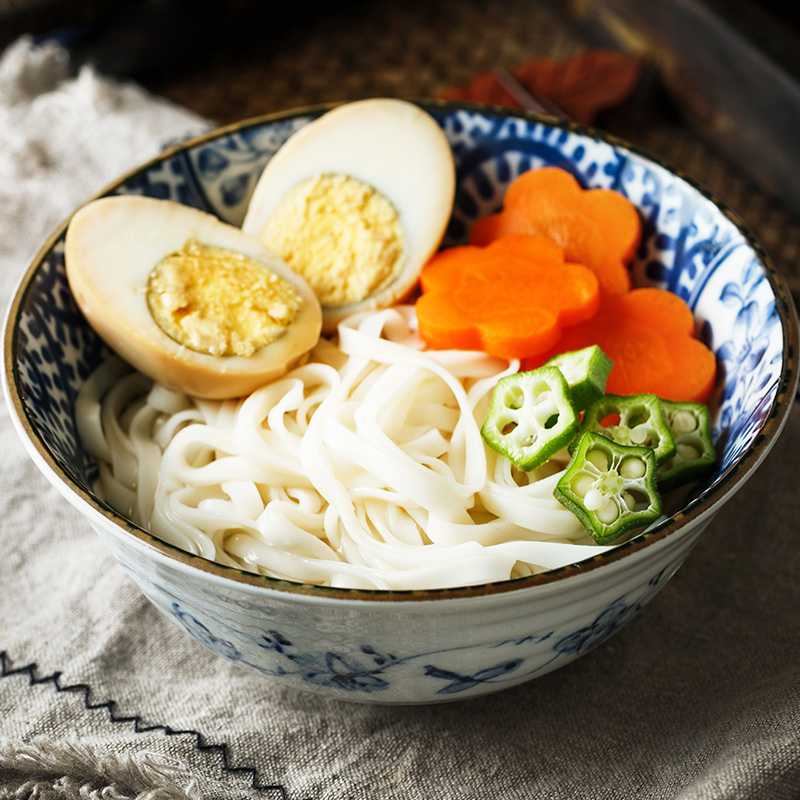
<point>582,86</point>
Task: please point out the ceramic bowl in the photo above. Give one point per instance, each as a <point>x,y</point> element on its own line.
<point>428,646</point>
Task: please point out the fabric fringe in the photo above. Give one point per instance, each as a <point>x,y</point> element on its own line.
<point>45,769</point>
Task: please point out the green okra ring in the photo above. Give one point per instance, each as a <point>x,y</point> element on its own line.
<point>530,417</point>
<point>610,487</point>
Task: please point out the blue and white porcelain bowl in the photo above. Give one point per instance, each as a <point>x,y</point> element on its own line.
<point>428,646</point>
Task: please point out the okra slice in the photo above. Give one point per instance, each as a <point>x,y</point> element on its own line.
<point>610,487</point>
<point>586,372</point>
<point>530,417</point>
<point>631,420</point>
<point>694,456</point>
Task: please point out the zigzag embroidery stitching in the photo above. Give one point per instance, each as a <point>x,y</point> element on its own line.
<point>138,724</point>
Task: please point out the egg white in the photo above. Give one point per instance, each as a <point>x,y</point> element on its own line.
<point>395,147</point>
<point>112,245</point>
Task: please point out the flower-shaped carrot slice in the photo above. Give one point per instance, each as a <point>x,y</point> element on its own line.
<point>510,299</point>
<point>649,335</point>
<point>597,227</point>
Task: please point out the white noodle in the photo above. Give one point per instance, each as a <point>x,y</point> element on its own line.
<point>363,468</point>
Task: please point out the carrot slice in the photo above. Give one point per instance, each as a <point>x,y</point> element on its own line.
<point>597,227</point>
<point>510,299</point>
<point>649,335</point>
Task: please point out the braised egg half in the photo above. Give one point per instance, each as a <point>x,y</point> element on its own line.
<point>356,202</point>
<point>190,301</point>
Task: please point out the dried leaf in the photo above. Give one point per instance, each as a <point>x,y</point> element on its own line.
<point>582,86</point>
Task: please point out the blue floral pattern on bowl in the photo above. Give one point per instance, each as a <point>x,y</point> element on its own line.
<point>371,668</point>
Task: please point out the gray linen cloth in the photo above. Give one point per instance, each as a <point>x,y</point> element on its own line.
<point>100,697</point>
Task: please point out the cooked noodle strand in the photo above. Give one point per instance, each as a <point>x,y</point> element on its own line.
<point>364,467</point>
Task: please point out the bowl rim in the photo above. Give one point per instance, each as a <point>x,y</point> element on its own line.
<point>704,505</point>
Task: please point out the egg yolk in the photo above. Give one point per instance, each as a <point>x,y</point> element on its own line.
<point>340,234</point>
<point>219,302</point>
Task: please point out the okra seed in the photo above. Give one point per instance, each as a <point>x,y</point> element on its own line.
<point>684,422</point>
<point>582,484</point>
<point>639,434</point>
<point>637,417</point>
<point>632,468</point>
<point>688,452</point>
<point>598,458</point>
<point>594,500</point>
<point>629,500</point>
<point>608,512</point>
<point>515,398</point>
